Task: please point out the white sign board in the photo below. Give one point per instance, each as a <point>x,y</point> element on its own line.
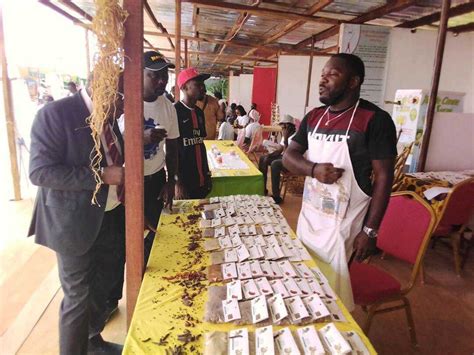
<point>370,43</point>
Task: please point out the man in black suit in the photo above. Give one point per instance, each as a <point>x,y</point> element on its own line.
<point>89,240</point>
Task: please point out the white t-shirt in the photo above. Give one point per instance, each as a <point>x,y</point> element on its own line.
<point>289,139</point>
<point>159,112</point>
<point>243,120</point>
<point>252,110</point>
<point>226,132</point>
<point>251,129</point>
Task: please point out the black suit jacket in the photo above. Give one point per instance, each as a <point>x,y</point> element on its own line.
<point>64,219</point>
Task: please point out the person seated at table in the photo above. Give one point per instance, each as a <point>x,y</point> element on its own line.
<point>242,119</point>
<point>194,177</point>
<point>222,102</point>
<point>226,131</point>
<point>230,113</point>
<point>275,151</point>
<point>252,128</point>
<point>253,108</point>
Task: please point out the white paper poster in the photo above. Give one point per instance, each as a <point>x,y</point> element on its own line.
<point>410,116</point>
<point>370,43</point>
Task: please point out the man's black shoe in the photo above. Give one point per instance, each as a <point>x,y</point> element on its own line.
<point>277,199</point>
<point>98,346</point>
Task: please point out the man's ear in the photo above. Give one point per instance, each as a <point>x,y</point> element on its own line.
<point>355,81</point>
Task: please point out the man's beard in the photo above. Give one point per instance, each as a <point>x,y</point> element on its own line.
<point>333,98</point>
<point>201,97</point>
<point>159,92</point>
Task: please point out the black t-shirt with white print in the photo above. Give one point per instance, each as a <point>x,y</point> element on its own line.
<point>192,168</point>
<point>372,136</point>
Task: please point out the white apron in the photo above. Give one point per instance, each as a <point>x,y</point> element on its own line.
<point>333,214</point>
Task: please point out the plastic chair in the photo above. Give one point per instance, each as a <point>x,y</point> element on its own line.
<point>240,138</point>
<point>457,210</point>
<point>404,233</point>
<point>255,148</point>
<point>256,142</point>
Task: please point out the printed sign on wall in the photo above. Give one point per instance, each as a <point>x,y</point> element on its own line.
<point>370,43</point>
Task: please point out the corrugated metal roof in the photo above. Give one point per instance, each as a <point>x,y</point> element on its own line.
<point>262,36</point>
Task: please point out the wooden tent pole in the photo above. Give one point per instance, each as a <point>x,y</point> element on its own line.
<point>133,86</point>
<point>276,79</point>
<point>310,71</point>
<point>88,53</point>
<point>231,74</point>
<point>177,53</point>
<point>186,57</point>
<point>9,114</point>
<point>443,27</point>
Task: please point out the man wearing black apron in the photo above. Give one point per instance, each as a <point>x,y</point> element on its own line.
<point>346,142</point>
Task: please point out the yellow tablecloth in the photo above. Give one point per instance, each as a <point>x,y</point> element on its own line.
<point>160,314</point>
<point>234,181</point>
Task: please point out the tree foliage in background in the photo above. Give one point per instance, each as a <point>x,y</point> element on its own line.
<point>220,85</point>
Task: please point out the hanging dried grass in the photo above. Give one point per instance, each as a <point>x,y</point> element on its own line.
<point>108,26</point>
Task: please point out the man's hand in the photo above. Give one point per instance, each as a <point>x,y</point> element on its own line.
<point>167,194</point>
<point>327,173</point>
<point>113,175</point>
<point>154,135</point>
<point>363,246</point>
<point>180,191</point>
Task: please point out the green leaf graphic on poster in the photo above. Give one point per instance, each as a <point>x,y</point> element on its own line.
<point>400,120</point>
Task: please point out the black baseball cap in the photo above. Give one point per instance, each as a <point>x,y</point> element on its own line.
<point>153,60</point>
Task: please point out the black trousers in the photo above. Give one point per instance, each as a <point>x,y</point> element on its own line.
<point>199,192</point>
<point>86,281</point>
<point>276,168</point>
<point>153,206</point>
<point>264,163</point>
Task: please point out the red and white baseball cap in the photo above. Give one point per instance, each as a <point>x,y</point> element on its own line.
<point>189,74</point>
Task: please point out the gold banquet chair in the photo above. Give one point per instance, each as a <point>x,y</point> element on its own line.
<point>399,165</point>
<point>376,290</point>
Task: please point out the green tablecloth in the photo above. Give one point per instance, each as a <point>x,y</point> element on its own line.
<point>234,181</point>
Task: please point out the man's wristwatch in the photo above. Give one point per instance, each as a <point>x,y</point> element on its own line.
<point>371,232</point>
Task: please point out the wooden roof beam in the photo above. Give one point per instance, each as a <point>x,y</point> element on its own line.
<point>469,27</point>
<point>429,19</point>
<point>274,48</point>
<point>262,12</point>
<point>76,9</point>
<point>392,6</point>
<point>293,25</point>
<point>230,56</point>
<point>233,32</point>
<point>329,50</point>
<point>60,11</point>
<point>239,23</point>
<point>157,24</point>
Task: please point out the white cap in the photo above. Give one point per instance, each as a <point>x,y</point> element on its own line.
<point>287,119</point>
